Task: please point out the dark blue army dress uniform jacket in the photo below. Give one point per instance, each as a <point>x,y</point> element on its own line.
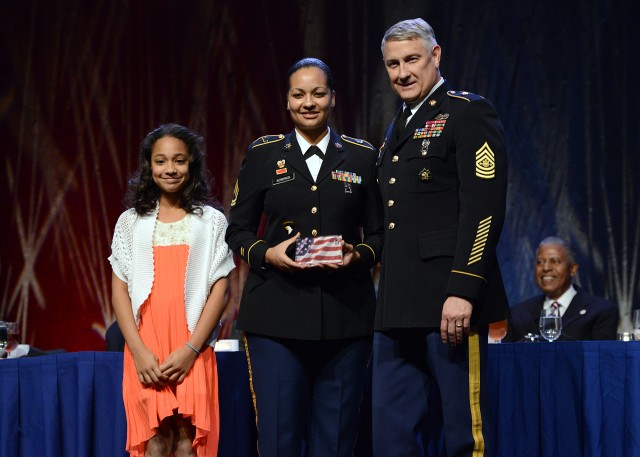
<point>443,186</point>
<point>274,179</point>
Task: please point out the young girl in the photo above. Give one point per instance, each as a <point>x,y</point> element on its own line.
<point>170,263</point>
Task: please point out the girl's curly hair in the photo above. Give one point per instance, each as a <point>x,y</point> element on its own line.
<point>143,193</point>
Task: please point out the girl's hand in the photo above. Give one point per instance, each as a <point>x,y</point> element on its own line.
<point>149,372</point>
<point>178,364</point>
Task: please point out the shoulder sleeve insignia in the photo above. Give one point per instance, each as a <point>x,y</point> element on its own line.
<point>485,162</point>
<point>236,190</point>
<point>357,142</point>
<point>464,95</point>
<point>266,140</point>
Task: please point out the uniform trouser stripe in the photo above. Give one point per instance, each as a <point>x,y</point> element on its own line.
<point>253,392</point>
<point>474,394</point>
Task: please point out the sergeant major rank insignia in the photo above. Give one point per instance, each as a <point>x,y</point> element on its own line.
<point>485,162</point>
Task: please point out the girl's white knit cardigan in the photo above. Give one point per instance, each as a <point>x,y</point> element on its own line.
<point>209,258</point>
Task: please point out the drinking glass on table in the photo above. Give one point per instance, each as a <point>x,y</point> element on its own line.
<point>626,336</point>
<point>636,324</point>
<point>8,336</point>
<point>497,331</point>
<point>550,324</point>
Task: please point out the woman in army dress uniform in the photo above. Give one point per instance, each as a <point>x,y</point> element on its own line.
<point>307,328</point>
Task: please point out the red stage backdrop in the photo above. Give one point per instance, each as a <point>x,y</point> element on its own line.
<point>83,82</point>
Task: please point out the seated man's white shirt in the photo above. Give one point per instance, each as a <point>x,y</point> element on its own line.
<point>564,300</point>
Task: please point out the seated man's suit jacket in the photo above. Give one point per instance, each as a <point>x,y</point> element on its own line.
<point>587,318</point>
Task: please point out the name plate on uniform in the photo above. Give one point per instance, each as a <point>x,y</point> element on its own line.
<point>284,179</point>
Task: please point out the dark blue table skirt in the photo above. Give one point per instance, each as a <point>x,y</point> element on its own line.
<point>566,399</point>
<point>559,399</point>
<point>70,405</point>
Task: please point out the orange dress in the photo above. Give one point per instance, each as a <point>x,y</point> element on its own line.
<point>163,328</point>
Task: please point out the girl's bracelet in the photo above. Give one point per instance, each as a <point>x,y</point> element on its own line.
<point>194,349</point>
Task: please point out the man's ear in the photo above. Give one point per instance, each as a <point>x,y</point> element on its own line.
<point>574,269</point>
<point>436,53</point>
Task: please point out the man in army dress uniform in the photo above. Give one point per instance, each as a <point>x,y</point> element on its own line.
<point>443,175</point>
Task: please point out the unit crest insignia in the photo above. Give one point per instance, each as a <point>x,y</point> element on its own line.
<point>425,175</point>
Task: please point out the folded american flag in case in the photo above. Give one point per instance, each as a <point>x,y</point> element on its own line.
<point>318,250</point>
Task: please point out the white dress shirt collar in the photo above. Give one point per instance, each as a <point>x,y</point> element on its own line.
<point>564,300</point>
<point>314,162</point>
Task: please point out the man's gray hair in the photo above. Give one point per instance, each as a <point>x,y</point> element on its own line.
<point>410,29</point>
<point>571,258</point>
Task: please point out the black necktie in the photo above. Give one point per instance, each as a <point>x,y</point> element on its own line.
<point>401,123</point>
<point>313,150</point>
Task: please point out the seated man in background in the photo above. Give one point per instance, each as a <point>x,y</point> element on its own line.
<point>584,317</point>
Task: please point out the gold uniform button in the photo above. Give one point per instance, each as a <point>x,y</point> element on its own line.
<point>392,181</point>
<point>390,203</point>
<point>394,158</point>
<point>392,225</point>
<point>314,232</point>
<point>314,210</point>
<point>314,188</point>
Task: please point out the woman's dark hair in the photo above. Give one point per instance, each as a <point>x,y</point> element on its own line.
<point>311,62</point>
<point>143,193</point>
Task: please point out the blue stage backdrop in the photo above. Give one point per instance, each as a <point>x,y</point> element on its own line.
<point>83,82</point>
